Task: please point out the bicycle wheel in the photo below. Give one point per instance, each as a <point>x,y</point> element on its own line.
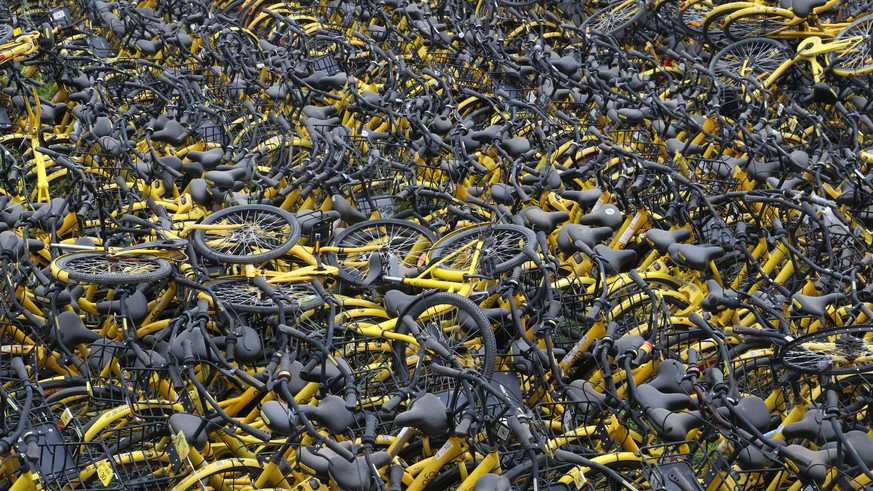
<point>615,18</point>
<point>397,239</point>
<point>754,23</point>
<point>241,295</point>
<point>223,474</point>
<point>458,324</point>
<point>247,234</point>
<point>691,16</point>
<point>713,26</point>
<point>99,269</point>
<point>839,351</point>
<point>500,250</point>
<point>82,405</point>
<point>857,58</point>
<point>754,58</point>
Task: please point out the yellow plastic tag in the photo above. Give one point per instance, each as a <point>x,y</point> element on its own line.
<point>579,478</point>
<point>181,445</point>
<point>104,472</point>
<point>66,416</point>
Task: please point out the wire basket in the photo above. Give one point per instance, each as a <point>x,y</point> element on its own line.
<point>141,452</point>
<point>67,462</point>
<point>511,85</point>
<point>117,377</point>
<point>715,176</point>
<point>325,54</point>
<point>456,69</point>
<point>370,357</point>
<point>576,299</point>
<point>640,142</point>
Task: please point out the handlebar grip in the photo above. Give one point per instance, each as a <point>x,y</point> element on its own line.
<point>396,477</point>
<point>20,369</point>
<point>392,404</point>
<point>203,305</point>
<point>592,314</point>
<point>351,399</point>
<point>718,300</point>
<point>522,430</point>
<point>463,428</point>
<point>582,246</point>
<point>369,437</point>
<point>339,449</point>
<point>262,284</point>
<point>693,357</point>
<point>444,370</point>
<point>33,450</point>
<point>833,402</point>
<point>262,435</point>
<point>230,347</point>
<point>311,364</point>
<point>187,352</point>
<point>700,322</point>
<point>635,276</point>
<point>643,353</point>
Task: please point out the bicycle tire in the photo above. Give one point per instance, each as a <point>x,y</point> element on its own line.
<point>858,59</point>
<point>830,352</point>
<point>98,269</point>
<point>754,23</point>
<point>615,18</point>
<point>407,241</point>
<point>241,295</point>
<point>502,253</point>
<point>79,400</point>
<point>482,357</point>
<point>754,58</point>
<point>712,28</point>
<point>257,227</point>
<point>691,17</point>
<point>214,470</point>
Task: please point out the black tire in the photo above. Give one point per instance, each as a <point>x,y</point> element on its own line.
<point>757,24</point>
<point>754,58</point>
<point>616,18</point>
<point>691,18</point>
<point>502,245</point>
<point>713,28</point>
<point>406,241</point>
<point>96,268</point>
<point>856,59</point>
<point>261,233</point>
<point>470,337</point>
<point>80,401</point>
<point>840,351</point>
<point>242,295</point>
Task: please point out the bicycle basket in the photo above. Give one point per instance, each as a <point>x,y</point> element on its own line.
<point>140,452</point>
<point>72,464</point>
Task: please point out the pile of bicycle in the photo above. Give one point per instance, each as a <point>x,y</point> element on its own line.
<point>478,245</point>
